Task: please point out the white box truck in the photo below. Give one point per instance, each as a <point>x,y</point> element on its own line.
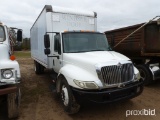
<point>67,41</point>
<point>9,70</point>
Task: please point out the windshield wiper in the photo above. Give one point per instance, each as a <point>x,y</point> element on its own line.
<point>77,51</point>
<point>85,51</point>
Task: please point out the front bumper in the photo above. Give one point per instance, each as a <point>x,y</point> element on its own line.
<point>111,94</point>
<point>8,89</point>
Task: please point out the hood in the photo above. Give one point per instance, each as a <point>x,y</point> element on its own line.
<point>4,52</point>
<point>5,62</point>
<point>90,59</point>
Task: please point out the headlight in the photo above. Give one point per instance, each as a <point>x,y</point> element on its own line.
<point>86,85</point>
<point>137,76</point>
<point>7,74</point>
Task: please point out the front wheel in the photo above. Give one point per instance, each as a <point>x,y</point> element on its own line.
<point>145,73</point>
<point>13,101</point>
<point>68,100</point>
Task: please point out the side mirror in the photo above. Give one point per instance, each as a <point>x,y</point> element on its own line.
<point>19,35</point>
<point>46,41</point>
<point>59,49</point>
<point>47,51</point>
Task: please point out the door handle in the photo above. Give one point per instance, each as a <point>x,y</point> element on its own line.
<point>54,56</point>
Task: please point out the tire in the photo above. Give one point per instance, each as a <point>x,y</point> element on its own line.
<point>39,69</point>
<point>145,74</point>
<point>70,105</point>
<point>13,103</point>
<point>42,69</point>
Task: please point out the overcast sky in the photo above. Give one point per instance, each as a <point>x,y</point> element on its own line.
<point>111,13</point>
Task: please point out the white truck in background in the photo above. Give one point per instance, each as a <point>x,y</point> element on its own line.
<point>9,70</point>
<point>67,41</point>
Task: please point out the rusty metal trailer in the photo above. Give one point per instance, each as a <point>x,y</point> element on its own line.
<point>142,47</point>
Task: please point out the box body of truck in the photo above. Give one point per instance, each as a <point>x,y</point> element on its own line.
<point>55,20</point>
<point>67,41</point>
<point>142,47</point>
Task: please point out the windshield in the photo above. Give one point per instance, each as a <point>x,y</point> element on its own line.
<point>2,34</point>
<point>84,42</point>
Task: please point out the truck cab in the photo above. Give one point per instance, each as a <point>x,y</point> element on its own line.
<point>87,67</point>
<point>9,72</point>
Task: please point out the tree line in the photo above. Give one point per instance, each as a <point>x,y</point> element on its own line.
<point>25,45</point>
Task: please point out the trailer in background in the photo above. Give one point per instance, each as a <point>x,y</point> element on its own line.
<point>142,47</point>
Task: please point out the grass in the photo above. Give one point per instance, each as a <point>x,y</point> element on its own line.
<point>22,54</point>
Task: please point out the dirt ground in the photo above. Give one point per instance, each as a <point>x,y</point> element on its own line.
<point>40,103</point>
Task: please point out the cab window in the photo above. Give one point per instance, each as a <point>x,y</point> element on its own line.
<point>2,34</point>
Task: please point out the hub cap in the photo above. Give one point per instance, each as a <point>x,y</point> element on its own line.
<point>64,95</point>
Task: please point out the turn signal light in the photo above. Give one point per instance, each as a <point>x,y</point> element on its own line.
<point>12,57</point>
<point>87,31</point>
<point>65,31</point>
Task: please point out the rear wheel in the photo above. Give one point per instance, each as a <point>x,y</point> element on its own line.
<point>68,100</point>
<point>39,69</point>
<point>13,102</point>
<point>145,74</point>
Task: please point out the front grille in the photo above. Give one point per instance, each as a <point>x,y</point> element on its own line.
<point>117,73</point>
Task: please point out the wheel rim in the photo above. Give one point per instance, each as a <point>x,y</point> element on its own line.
<point>64,95</point>
<point>142,73</point>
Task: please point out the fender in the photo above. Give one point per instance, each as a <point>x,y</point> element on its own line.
<point>5,54</point>
<point>9,64</point>
<point>71,72</point>
<point>6,63</point>
<point>135,70</point>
